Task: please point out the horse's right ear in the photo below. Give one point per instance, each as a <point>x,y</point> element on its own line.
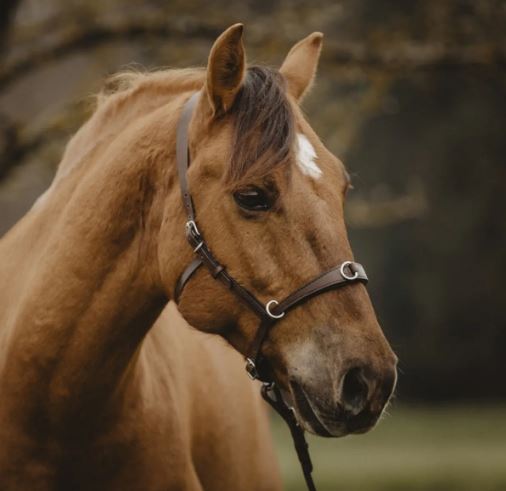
<point>299,67</point>
<point>225,69</point>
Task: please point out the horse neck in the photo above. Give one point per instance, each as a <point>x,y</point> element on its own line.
<point>85,284</point>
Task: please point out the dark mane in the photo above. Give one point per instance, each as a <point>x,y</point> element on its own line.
<point>264,125</point>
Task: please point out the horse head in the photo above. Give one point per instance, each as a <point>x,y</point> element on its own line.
<point>269,200</point>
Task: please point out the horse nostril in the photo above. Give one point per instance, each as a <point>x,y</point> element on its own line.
<point>355,391</point>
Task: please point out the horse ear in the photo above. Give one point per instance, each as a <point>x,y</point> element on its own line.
<point>225,69</point>
<point>299,67</point>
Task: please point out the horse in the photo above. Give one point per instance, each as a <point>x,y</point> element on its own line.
<point>103,384</point>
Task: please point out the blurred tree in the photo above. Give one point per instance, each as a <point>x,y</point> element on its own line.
<point>7,10</point>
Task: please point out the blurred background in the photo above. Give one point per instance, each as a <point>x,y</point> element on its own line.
<point>411,95</point>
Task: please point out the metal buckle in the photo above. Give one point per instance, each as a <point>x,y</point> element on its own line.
<point>191,227</point>
<point>269,386</point>
<point>268,392</point>
<point>268,310</point>
<point>294,415</point>
<point>251,369</point>
<point>344,274</point>
<point>193,235</point>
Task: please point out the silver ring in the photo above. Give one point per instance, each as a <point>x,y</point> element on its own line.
<point>199,246</point>
<point>344,274</point>
<point>268,310</point>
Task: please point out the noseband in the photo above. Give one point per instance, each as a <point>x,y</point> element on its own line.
<point>346,273</point>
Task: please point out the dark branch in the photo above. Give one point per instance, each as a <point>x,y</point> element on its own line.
<point>403,56</point>
<point>7,10</point>
<point>98,35</point>
<point>416,56</point>
<point>16,147</point>
<point>8,144</point>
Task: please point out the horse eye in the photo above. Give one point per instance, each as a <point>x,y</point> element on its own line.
<point>253,199</point>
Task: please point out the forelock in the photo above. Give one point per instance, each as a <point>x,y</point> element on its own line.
<point>264,125</point>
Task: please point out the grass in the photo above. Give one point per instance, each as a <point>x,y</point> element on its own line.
<point>459,448</point>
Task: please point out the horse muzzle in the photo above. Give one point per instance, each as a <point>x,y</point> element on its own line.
<point>360,401</point>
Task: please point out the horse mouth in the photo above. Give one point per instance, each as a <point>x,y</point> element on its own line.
<point>306,412</point>
<point>320,423</point>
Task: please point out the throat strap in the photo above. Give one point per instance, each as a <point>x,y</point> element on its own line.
<point>187,274</point>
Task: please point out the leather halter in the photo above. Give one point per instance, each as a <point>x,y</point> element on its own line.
<point>268,314</point>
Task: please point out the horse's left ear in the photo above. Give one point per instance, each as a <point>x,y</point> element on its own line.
<point>299,67</point>
<point>225,69</point>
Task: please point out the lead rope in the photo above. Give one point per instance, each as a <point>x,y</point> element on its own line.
<point>273,396</point>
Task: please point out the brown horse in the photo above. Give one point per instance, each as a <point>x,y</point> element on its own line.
<point>97,395</point>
